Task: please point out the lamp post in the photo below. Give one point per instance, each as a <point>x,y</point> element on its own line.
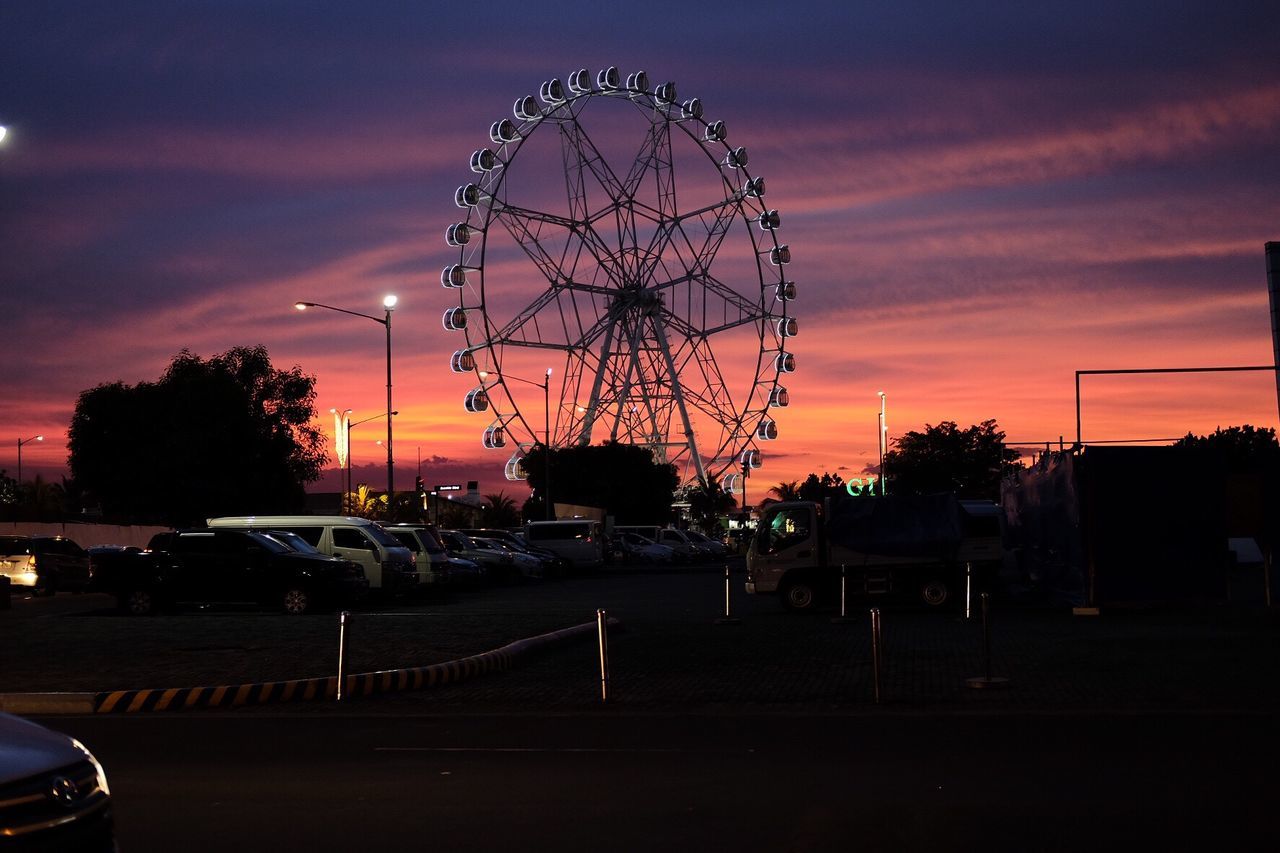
<point>349,427</point>
<point>21,442</point>
<point>882,439</point>
<point>545,385</point>
<point>389,304</point>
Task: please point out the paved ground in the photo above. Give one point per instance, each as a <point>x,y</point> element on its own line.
<point>670,654</point>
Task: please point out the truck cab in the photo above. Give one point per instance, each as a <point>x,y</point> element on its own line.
<point>915,548</point>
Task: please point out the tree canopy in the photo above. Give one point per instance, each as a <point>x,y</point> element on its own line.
<point>622,479</point>
<point>227,435</point>
<point>815,488</point>
<point>944,458</point>
<point>1242,447</point>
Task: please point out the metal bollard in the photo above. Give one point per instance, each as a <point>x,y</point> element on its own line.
<point>986,680</point>
<point>727,618</point>
<point>343,618</point>
<point>968,590</point>
<point>602,628</point>
<point>875,651</point>
<point>844,597</point>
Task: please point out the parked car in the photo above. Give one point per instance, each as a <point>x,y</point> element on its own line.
<point>553,563</point>
<point>578,540</point>
<point>525,563</point>
<point>429,554</point>
<point>683,544</point>
<point>498,565</point>
<point>53,792</point>
<point>714,547</point>
<point>387,564</point>
<point>226,565</point>
<point>44,564</point>
<point>463,573</point>
<point>634,548</point>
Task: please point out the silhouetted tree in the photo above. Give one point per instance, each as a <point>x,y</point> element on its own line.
<point>708,501</point>
<point>502,511</point>
<point>786,491</point>
<point>815,488</point>
<point>1242,448</point>
<point>622,479</point>
<point>228,435</point>
<point>944,458</point>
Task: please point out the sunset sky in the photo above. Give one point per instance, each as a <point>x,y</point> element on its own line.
<point>980,200</point>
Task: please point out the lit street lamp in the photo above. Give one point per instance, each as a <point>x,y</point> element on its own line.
<point>545,385</point>
<point>21,442</point>
<point>882,439</point>
<point>389,303</point>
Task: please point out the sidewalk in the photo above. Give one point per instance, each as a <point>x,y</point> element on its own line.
<point>670,655</point>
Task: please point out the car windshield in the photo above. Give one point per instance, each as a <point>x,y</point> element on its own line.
<point>292,541</point>
<point>429,538</point>
<point>382,537</point>
<point>275,546</point>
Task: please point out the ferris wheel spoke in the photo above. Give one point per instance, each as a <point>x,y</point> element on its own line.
<point>655,157</point>
<point>581,156</point>
<point>673,233</point>
<point>520,225</point>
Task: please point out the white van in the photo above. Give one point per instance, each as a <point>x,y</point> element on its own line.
<point>388,564</point>
<point>578,540</point>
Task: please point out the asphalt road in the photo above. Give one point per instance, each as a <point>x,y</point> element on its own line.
<point>1150,729</point>
<point>623,782</point>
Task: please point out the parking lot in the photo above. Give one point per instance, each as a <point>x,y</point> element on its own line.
<point>669,651</point>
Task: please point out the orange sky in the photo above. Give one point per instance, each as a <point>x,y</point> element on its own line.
<point>971,221</point>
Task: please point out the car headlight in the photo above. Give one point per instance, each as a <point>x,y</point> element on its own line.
<point>97,767</point>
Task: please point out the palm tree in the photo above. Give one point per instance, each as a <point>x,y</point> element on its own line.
<point>787,491</point>
<point>363,503</point>
<point>502,511</point>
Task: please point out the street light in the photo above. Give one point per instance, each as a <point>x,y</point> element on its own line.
<point>882,439</point>
<point>21,442</point>
<point>388,303</point>
<point>545,385</point>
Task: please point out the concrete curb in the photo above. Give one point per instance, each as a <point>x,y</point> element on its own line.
<point>298,690</point>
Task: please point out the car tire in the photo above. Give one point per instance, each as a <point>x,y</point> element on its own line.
<point>297,600</point>
<point>934,592</point>
<point>138,602</point>
<point>799,594</point>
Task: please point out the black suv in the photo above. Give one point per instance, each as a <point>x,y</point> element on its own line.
<point>226,565</point>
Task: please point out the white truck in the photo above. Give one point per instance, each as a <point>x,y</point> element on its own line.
<point>923,548</point>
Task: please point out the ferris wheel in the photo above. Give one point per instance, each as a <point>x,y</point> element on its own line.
<point>601,300</point>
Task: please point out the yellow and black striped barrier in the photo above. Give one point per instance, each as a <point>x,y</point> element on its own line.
<point>310,689</point>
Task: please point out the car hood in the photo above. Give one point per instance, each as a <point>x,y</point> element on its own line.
<point>27,749</point>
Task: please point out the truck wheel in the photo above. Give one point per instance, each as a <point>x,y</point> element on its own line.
<point>799,595</point>
<point>934,592</point>
<point>296,600</point>
<point>138,602</point>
